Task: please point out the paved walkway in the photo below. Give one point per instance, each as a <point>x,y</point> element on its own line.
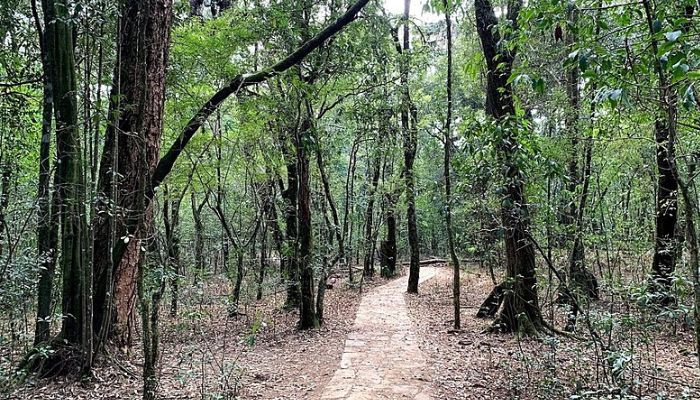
<point>382,359</point>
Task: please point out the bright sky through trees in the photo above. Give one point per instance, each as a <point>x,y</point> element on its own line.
<point>396,7</point>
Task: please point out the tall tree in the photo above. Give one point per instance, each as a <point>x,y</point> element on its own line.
<point>409,128</point>
<point>519,296</point>
<point>69,181</point>
<point>447,4</point>
<point>46,228</point>
<point>663,263</point>
<point>131,149</point>
<point>167,162</point>
<point>375,173</point>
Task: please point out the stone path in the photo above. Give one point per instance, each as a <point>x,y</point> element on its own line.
<point>382,359</point>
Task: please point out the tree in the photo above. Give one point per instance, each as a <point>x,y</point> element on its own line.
<point>663,264</point>
<point>447,4</point>
<point>69,182</point>
<point>46,228</point>
<point>518,294</point>
<point>409,132</point>
<point>131,149</point>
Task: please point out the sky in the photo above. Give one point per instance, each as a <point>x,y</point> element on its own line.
<point>396,7</point>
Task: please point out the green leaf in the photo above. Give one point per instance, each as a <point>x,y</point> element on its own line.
<point>583,63</point>
<point>538,85</point>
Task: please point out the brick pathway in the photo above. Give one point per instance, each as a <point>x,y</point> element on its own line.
<point>382,359</point>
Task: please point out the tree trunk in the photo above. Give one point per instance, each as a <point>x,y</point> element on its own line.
<point>238,283</point>
<point>69,181</point>
<point>521,309</point>
<point>447,172</point>
<point>46,227</point>
<point>150,300</point>
<point>138,98</point>
<point>307,311</point>
<point>369,247</point>
<point>409,120</point>
<point>263,261</point>
<point>580,278</point>
<point>171,222</point>
<point>664,263</point>
<point>691,217</point>
<point>349,194</point>
<point>336,228</point>
<point>290,256</point>
<point>198,237</point>
<point>272,220</point>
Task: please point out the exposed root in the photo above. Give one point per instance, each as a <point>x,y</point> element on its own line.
<point>53,359</point>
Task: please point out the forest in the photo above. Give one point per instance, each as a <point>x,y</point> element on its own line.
<point>349,199</point>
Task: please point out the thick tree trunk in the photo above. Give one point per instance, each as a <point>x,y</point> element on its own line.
<point>138,99</point>
<point>70,185</point>
<point>409,120</point>
<point>521,309</point>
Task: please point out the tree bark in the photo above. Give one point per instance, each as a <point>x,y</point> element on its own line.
<point>69,181</point>
<point>198,236</point>
<point>370,247</point>
<point>138,98</point>
<point>307,309</point>
<point>521,309</point>
<point>447,174</point>
<point>263,261</point>
<point>290,252</point>
<point>664,263</point>
<point>580,278</point>
<point>171,222</point>
<point>46,226</point>
<point>409,120</point>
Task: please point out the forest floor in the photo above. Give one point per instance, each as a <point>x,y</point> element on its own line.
<point>396,346</point>
<point>205,355</point>
<point>654,360</point>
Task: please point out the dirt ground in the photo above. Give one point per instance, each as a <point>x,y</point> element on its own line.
<point>261,355</point>
<point>474,365</point>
